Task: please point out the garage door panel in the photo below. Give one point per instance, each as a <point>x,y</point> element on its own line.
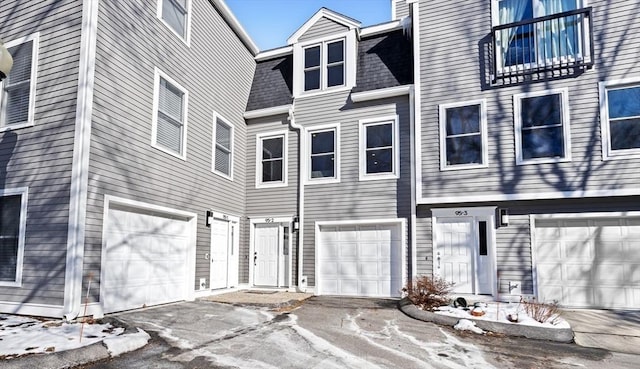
<point>596,258</point>
<point>365,256</point>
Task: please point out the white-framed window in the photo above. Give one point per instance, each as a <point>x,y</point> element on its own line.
<point>323,145</point>
<point>222,147</point>
<point>463,135</point>
<point>13,220</point>
<point>542,126</point>
<point>324,65</point>
<point>271,159</point>
<point>176,14</point>
<point>169,129</point>
<point>541,43</point>
<point>18,92</point>
<point>620,118</point>
<point>379,148</point>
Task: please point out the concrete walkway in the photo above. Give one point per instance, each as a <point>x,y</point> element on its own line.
<point>268,298</point>
<point>617,331</point>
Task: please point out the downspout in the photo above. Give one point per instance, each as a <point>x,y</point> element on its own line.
<point>416,130</point>
<point>412,225</point>
<point>80,166</point>
<point>301,169</point>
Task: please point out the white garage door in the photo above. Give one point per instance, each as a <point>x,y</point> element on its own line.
<point>360,260</point>
<point>145,260</point>
<point>591,263</point>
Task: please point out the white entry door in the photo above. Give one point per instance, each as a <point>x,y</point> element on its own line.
<point>224,258</point>
<point>265,256</point>
<point>462,254</point>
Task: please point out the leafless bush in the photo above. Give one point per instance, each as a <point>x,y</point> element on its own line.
<point>428,293</point>
<point>542,312</point>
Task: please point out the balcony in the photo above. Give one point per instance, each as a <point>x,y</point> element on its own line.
<point>560,43</point>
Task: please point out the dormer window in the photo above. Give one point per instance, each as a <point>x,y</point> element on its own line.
<point>324,65</point>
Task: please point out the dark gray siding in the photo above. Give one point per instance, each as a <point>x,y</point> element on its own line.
<point>216,70</point>
<point>384,61</point>
<point>352,199</point>
<point>402,8</point>
<point>40,157</point>
<point>323,27</point>
<point>272,84</point>
<point>454,62</point>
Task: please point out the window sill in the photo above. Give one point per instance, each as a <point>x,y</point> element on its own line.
<point>321,181</point>
<point>455,167</point>
<point>622,155</point>
<point>326,91</point>
<point>10,284</point>
<point>16,126</point>
<point>543,161</point>
<point>378,177</point>
<point>271,185</point>
<point>167,151</point>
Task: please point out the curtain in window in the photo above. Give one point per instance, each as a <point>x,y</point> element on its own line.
<point>510,11</point>
<point>557,38</point>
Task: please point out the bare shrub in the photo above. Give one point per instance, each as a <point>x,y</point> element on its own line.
<point>428,293</point>
<point>541,312</point>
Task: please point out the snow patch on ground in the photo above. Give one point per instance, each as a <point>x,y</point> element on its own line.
<point>21,335</point>
<point>167,333</point>
<point>498,312</point>
<point>467,325</point>
<point>118,345</point>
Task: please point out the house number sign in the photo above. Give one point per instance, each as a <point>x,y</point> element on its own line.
<point>268,220</point>
<point>461,213</point>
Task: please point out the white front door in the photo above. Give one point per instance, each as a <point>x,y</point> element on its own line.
<point>224,259</point>
<point>265,255</point>
<point>462,253</point>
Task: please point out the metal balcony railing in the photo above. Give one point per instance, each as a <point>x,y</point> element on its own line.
<point>561,41</point>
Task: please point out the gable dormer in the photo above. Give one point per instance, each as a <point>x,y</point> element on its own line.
<point>324,54</point>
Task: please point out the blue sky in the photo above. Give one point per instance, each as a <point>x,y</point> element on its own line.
<point>271,22</point>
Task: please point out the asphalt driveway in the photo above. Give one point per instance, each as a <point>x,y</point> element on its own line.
<point>332,333</point>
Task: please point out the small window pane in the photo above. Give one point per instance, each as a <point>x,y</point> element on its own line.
<point>543,143</point>
<point>272,171</point>
<point>17,85</point>
<point>625,134</point>
<point>272,148</point>
<point>171,99</point>
<point>223,135</point>
<point>175,14</point>
<point>312,57</point>
<point>272,159</point>
<point>223,161</point>
<point>335,52</point>
<point>9,236</point>
<point>223,148</point>
<point>335,75</point>
<point>624,102</point>
<point>169,133</point>
<point>380,161</point>
<point>17,104</point>
<point>464,150</point>
<point>464,119</point>
<point>169,130</point>
<point>482,238</point>
<point>379,135</point>
<point>322,142</point>
<point>541,111</point>
<point>22,59</point>
<point>312,80</point>
<point>322,166</point>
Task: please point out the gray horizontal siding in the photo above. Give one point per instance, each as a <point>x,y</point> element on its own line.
<point>123,112</point>
<point>40,157</point>
<point>352,199</point>
<point>323,27</point>
<point>453,62</point>
<point>402,9</point>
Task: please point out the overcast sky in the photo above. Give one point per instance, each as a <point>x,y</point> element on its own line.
<point>271,22</point>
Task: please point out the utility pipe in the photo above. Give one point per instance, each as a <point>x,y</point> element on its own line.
<point>301,170</point>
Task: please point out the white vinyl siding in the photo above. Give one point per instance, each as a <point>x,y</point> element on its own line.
<point>271,159</point>
<point>379,148</point>
<point>13,207</point>
<point>542,126</point>
<point>176,14</point>
<point>620,118</point>
<point>324,154</point>
<point>222,148</point>
<point>463,135</point>
<point>170,116</point>
<point>17,96</point>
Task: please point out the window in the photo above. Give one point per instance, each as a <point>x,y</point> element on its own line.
<point>539,42</point>
<point>17,96</point>
<point>542,127</point>
<point>271,160</point>
<point>324,65</point>
<point>620,116</point>
<point>170,117</point>
<point>379,149</point>
<point>463,135</point>
<point>176,14</point>
<point>222,148</point>
<point>323,158</point>
<point>12,227</point>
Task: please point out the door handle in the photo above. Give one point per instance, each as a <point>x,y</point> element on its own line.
<point>438,258</point>
<point>255,258</point>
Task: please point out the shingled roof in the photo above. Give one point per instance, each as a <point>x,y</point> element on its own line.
<point>272,83</point>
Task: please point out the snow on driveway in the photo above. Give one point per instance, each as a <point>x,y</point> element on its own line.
<point>20,335</point>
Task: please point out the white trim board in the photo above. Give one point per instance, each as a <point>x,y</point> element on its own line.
<point>80,164</point>
<point>267,112</point>
<point>381,93</point>
<point>22,230</point>
<point>326,13</point>
<point>21,308</point>
<point>273,53</point>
